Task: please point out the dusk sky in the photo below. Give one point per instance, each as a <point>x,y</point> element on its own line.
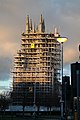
<point>64,14</point>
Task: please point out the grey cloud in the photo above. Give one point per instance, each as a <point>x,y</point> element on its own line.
<point>5,65</point>
<point>69,7</point>
<point>55,12</point>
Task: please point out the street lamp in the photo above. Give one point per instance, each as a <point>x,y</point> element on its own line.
<point>61,40</point>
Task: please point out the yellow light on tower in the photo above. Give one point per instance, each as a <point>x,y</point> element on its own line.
<point>32,45</point>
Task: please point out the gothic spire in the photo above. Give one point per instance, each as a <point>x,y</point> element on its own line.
<point>27,24</point>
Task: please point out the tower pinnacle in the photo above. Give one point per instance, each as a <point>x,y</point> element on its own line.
<point>42,24</point>
<point>30,25</point>
<point>27,24</point>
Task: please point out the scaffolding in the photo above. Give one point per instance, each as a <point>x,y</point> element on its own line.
<point>36,66</point>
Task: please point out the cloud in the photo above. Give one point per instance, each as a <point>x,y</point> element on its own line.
<point>8,47</point>
<point>70,55</point>
<point>7,42</point>
<point>63,14</point>
<point>5,68</point>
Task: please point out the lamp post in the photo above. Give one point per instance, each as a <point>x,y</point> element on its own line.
<point>34,96</point>
<point>65,99</point>
<point>61,40</point>
<point>34,106</point>
<point>35,83</point>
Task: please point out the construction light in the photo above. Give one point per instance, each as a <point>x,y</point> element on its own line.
<point>32,45</point>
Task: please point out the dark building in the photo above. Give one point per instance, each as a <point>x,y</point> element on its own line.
<point>75,79</point>
<point>75,83</point>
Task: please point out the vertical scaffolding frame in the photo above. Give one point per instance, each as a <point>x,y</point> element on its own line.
<point>37,61</point>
